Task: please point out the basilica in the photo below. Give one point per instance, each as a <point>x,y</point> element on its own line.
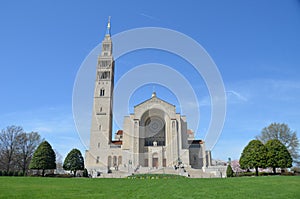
<point>154,137</point>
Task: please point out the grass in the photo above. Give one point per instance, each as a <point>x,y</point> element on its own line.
<point>244,187</point>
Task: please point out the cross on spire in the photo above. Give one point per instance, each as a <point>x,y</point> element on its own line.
<point>108,27</point>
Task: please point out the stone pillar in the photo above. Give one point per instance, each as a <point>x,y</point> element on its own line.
<point>208,155</point>
<point>174,141</point>
<point>202,144</point>
<point>135,146</point>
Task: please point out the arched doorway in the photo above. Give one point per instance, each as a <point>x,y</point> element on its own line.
<point>152,137</point>
<point>155,160</point>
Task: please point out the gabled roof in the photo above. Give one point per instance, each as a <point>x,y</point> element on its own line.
<point>154,97</point>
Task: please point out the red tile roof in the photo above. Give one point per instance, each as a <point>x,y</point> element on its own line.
<point>116,142</point>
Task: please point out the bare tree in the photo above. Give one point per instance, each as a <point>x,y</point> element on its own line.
<point>9,146</point>
<point>59,161</point>
<point>27,143</point>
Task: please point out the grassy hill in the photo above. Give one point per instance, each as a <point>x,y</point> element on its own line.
<point>244,187</point>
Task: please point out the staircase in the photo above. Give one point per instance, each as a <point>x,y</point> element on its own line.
<point>209,172</point>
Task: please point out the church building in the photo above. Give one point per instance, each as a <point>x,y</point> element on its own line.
<point>154,136</point>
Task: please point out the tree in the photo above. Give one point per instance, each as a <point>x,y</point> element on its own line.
<point>59,161</point>
<point>74,161</point>
<point>254,156</point>
<point>8,146</point>
<point>284,134</point>
<point>27,143</point>
<point>277,155</point>
<point>229,171</point>
<point>43,158</point>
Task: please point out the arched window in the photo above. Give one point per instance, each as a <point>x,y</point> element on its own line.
<point>97,160</point>
<point>102,91</point>
<point>155,131</point>
<point>119,160</point>
<point>115,161</point>
<point>100,109</point>
<point>109,161</point>
<point>100,127</point>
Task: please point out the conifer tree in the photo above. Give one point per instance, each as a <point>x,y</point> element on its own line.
<point>74,161</point>
<point>43,158</point>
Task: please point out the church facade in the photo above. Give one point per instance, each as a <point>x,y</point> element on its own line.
<point>153,137</point>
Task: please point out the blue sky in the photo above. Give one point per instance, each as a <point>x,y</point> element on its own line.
<point>255,45</point>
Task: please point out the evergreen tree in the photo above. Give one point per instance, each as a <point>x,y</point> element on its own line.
<point>74,161</point>
<point>277,155</point>
<point>43,158</point>
<point>254,156</point>
<point>229,171</point>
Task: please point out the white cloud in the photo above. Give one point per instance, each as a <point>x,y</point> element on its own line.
<point>149,16</point>
<point>234,96</point>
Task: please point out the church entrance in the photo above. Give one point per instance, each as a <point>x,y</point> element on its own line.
<point>155,162</point>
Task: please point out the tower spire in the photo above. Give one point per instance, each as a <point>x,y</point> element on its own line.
<point>108,27</point>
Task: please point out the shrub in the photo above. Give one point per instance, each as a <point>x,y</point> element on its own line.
<point>20,173</point>
<point>10,173</point>
<point>246,174</point>
<point>64,176</point>
<point>287,174</point>
<point>264,173</point>
<point>50,175</point>
<point>296,170</point>
<point>4,173</point>
<point>154,176</point>
<point>0,173</point>
<point>16,173</point>
<point>85,173</point>
<point>229,172</point>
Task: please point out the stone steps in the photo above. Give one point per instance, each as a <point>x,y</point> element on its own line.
<point>210,172</point>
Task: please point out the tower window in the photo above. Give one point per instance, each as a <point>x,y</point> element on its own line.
<point>102,92</point>
<point>104,75</point>
<point>104,63</point>
<point>106,47</point>
<point>97,161</point>
<point>100,127</point>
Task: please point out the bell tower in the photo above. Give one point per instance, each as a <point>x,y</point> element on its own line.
<point>101,128</point>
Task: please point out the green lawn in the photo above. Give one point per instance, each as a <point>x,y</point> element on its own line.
<point>244,187</point>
